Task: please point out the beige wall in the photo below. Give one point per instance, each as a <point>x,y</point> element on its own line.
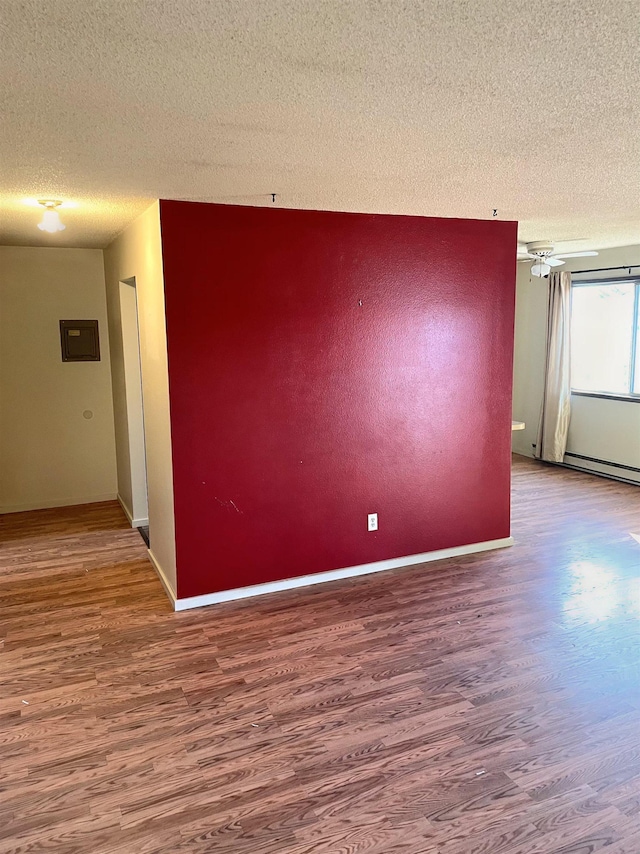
<point>604,429</point>
<point>137,254</point>
<point>50,453</point>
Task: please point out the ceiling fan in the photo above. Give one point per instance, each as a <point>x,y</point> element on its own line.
<point>542,253</point>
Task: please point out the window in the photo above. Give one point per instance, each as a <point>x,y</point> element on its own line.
<point>605,337</point>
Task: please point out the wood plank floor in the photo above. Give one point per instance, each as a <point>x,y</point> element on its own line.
<point>488,704</point>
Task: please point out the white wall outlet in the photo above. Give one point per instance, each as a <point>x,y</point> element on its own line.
<point>372,522</point>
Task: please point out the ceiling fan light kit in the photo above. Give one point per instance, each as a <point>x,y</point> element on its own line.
<point>540,269</point>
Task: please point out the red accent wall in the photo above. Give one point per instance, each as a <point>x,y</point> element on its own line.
<point>323,366</point>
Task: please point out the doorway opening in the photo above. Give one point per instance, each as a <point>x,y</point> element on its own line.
<point>138,508</point>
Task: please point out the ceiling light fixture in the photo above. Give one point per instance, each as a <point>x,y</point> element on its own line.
<point>541,269</point>
<point>51,217</point>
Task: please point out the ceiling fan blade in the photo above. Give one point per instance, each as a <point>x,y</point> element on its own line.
<point>576,255</point>
<point>553,261</point>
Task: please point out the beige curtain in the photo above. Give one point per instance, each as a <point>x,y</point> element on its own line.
<point>556,401</point>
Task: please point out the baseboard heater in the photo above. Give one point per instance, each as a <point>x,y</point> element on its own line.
<point>602,462</point>
<point>618,475</point>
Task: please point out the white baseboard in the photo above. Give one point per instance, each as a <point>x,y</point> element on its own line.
<point>58,502</point>
<point>163,578</point>
<point>322,577</point>
<point>135,523</point>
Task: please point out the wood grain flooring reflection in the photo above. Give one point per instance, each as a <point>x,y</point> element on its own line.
<point>488,704</point>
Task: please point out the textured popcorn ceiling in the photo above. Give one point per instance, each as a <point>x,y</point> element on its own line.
<point>433,107</point>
